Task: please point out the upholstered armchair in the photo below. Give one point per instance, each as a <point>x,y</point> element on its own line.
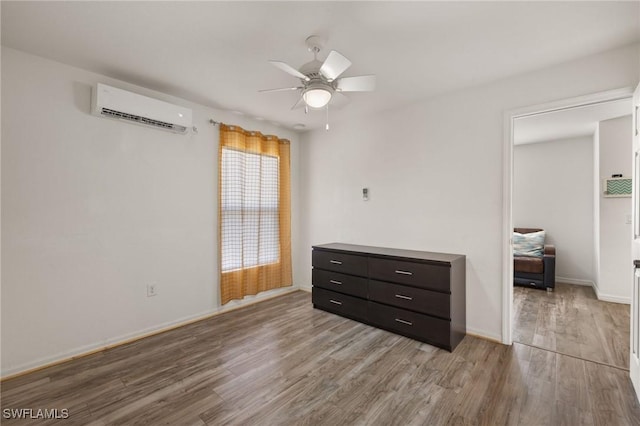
<point>534,262</point>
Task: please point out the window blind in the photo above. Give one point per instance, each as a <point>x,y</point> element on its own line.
<point>250,210</point>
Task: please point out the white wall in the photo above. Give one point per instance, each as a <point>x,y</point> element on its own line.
<point>434,170</point>
<point>614,281</point>
<point>93,210</point>
<point>553,190</point>
<point>596,206</point>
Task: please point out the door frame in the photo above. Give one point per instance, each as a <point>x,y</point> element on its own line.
<point>507,185</point>
<point>634,358</point>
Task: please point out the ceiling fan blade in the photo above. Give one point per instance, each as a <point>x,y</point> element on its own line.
<point>361,83</point>
<point>280,90</point>
<point>339,100</point>
<point>289,69</point>
<point>334,65</point>
<point>299,103</point>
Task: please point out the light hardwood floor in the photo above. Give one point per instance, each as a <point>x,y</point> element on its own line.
<point>281,362</point>
<point>572,321</point>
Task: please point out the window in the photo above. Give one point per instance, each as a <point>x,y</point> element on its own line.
<point>254,212</point>
<point>250,210</point>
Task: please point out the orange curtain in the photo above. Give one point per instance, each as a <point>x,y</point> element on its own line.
<point>239,282</point>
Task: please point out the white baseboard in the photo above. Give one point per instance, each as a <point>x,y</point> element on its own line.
<point>79,352</point>
<point>575,281</point>
<point>305,288</point>
<point>609,297</point>
<point>600,295</point>
<point>483,334</point>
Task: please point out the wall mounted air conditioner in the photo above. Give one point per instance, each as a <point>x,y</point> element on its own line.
<point>110,102</point>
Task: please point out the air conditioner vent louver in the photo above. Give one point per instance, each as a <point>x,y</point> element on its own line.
<point>142,120</point>
<point>114,103</point>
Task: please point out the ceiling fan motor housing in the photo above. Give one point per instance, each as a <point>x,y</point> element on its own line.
<point>316,79</point>
<point>312,69</point>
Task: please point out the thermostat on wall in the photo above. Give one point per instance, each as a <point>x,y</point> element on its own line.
<point>365,194</point>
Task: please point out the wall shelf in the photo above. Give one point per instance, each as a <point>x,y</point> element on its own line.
<point>616,187</point>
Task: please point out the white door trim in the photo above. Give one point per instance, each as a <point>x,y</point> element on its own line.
<point>634,361</point>
<point>634,357</point>
<point>507,185</point>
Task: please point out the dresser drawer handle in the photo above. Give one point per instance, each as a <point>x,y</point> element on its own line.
<point>404,272</point>
<point>335,282</point>
<point>335,301</point>
<point>403,321</point>
<point>336,262</point>
<point>400,296</point>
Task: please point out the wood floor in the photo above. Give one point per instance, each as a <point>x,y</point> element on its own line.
<point>281,362</point>
<point>572,321</point>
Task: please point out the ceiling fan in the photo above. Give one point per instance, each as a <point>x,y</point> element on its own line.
<point>319,81</point>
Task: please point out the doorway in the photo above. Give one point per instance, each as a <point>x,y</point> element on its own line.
<point>566,290</point>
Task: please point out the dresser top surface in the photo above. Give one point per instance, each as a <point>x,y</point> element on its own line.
<point>392,252</point>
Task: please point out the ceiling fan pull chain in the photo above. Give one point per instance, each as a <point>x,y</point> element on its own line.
<point>327,126</point>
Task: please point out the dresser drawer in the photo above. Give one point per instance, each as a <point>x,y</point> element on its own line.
<point>415,299</point>
<point>339,303</point>
<point>418,326</point>
<point>342,283</point>
<point>424,275</point>
<point>339,262</point>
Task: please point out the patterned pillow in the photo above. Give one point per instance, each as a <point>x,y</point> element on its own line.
<point>531,244</point>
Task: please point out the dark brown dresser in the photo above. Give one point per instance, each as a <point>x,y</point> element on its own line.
<point>414,293</point>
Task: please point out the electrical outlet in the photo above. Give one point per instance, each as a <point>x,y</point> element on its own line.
<point>152,290</point>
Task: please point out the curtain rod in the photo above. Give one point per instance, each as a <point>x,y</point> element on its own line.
<point>214,122</point>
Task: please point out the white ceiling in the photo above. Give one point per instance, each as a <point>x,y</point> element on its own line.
<point>567,123</point>
<point>215,53</point>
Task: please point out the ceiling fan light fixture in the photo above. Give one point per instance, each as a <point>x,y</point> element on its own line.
<point>316,97</point>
